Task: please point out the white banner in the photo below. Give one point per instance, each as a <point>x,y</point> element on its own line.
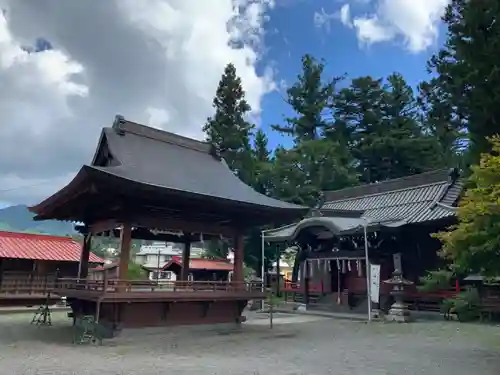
<point>375,282</point>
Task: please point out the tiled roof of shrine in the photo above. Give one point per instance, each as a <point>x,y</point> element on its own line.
<point>414,199</point>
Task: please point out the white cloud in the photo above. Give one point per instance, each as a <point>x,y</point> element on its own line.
<point>322,19</point>
<point>415,22</point>
<point>345,15</point>
<point>156,62</point>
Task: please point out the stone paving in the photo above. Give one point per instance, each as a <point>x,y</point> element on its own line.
<point>296,345</point>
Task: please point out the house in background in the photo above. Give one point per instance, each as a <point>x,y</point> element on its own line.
<point>29,263</point>
<point>154,257</point>
<point>200,269</point>
<point>108,270</point>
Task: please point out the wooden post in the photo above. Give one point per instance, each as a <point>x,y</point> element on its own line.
<point>186,255</point>
<point>83,267</point>
<point>125,244</point>
<point>306,282</point>
<point>239,247</point>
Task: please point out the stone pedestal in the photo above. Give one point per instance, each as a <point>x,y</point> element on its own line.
<point>399,311</point>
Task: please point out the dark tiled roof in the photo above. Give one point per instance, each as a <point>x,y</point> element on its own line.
<point>425,197</point>
<point>167,160</point>
<point>169,164</point>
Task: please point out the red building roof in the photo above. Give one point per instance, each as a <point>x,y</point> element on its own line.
<point>41,247</point>
<point>202,264</point>
<point>102,267</point>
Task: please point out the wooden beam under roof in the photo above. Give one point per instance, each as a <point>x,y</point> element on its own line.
<point>152,235</point>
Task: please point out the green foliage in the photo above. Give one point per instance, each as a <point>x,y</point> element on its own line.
<point>465,305</point>
<point>136,272</point>
<point>370,130</point>
<point>216,249</point>
<point>379,123</point>
<point>262,165</point>
<point>300,174</point>
<point>229,129</point>
<point>435,281</point>
<point>309,97</point>
<point>466,88</point>
<point>472,245</point>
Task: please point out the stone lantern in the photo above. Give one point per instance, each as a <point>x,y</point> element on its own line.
<point>399,311</point>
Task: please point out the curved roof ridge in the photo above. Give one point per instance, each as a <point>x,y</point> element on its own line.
<point>384,192</point>
<point>120,124</point>
<point>403,183</point>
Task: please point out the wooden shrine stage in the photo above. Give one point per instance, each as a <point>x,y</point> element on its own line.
<point>134,304</point>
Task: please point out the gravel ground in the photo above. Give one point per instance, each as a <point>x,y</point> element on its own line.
<point>296,345</point>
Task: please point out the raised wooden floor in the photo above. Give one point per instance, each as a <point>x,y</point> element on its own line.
<point>144,303</point>
<point>121,290</point>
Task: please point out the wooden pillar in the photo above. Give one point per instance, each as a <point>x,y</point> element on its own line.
<point>186,256</point>
<point>83,267</point>
<point>307,276</point>
<point>239,247</point>
<point>125,244</point>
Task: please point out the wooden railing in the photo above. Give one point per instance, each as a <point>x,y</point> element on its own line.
<point>289,286</point>
<point>114,285</point>
<point>23,283</point>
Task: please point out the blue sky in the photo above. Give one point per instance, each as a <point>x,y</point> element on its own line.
<point>291,33</point>
<point>158,63</point>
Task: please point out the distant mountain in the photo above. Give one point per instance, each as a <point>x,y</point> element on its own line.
<point>20,219</point>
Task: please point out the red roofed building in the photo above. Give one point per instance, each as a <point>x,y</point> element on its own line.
<point>27,259</point>
<point>200,269</point>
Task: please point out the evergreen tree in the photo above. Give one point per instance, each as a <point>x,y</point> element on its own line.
<point>379,123</point>
<point>468,72</point>
<point>314,163</point>
<point>229,128</point>
<point>303,172</point>
<point>438,122</point>
<point>261,154</point>
<point>309,97</point>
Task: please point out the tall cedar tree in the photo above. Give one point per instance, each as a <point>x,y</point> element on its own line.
<point>309,97</point>
<point>468,72</point>
<point>262,164</point>
<point>229,129</point>
<point>438,122</point>
<point>314,164</point>
<point>379,123</point>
